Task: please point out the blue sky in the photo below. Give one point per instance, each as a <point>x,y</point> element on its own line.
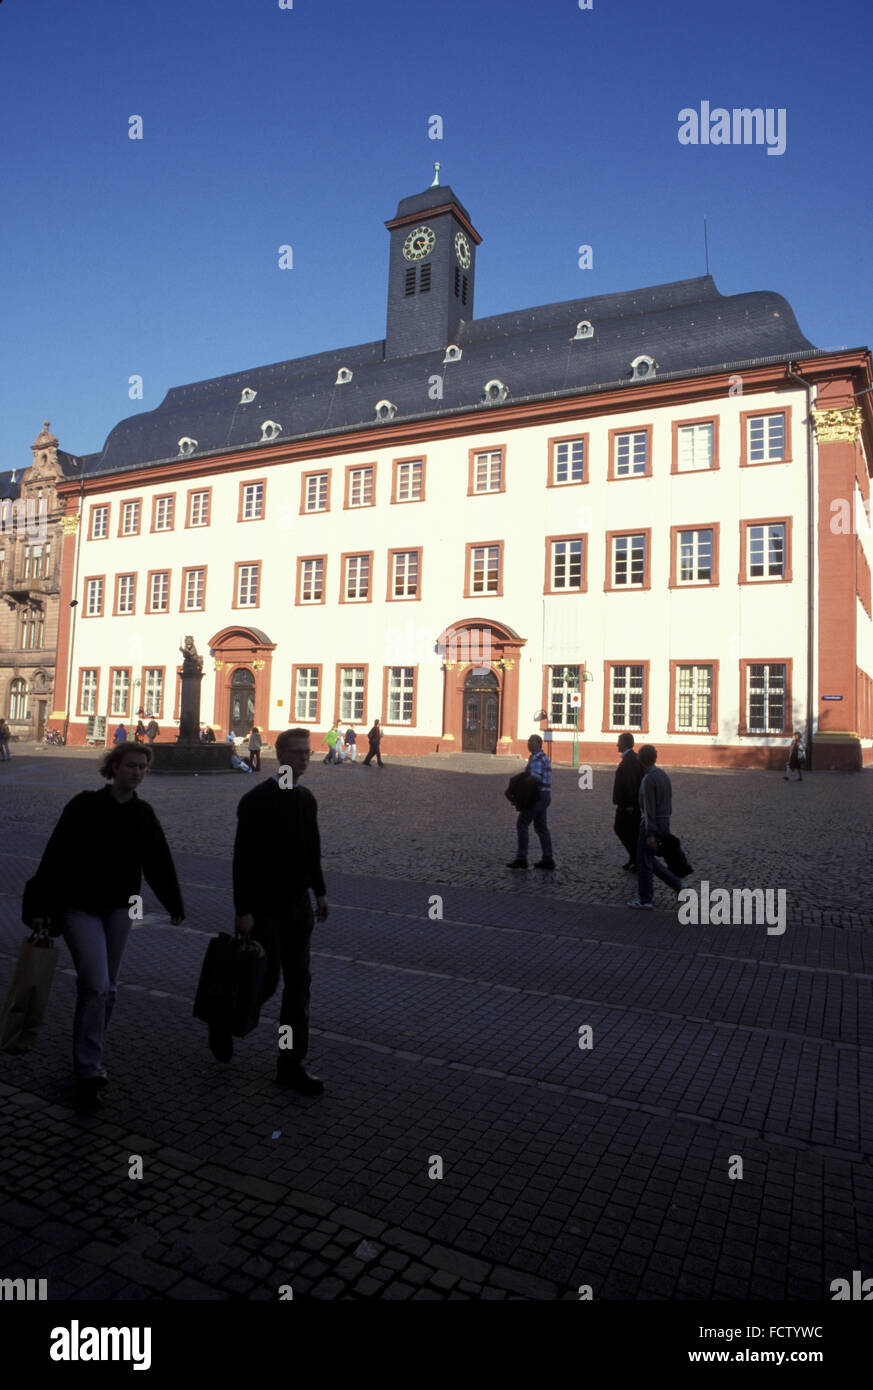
<point>265,126</point>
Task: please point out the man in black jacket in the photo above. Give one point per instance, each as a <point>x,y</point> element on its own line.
<point>626,798</point>
<point>276,860</point>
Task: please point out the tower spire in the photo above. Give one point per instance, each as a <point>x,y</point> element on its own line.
<point>436,176</point>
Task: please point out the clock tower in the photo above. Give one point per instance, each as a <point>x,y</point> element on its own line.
<point>431,272</point>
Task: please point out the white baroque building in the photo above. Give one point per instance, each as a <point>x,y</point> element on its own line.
<point>645,511</point>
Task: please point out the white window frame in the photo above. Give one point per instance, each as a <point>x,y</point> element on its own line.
<point>120,685</point>
<point>311,574</point>
<point>627,453</point>
<point>130,510</point>
<point>409,473</point>
<point>195,586</point>
<point>306,687</point>
<point>692,442</point>
<point>164,510</point>
<point>316,492</point>
<point>765,451</point>
<point>199,511</point>
<point>361,486</point>
<point>695,689</point>
<point>693,553</point>
<point>100,522</point>
<point>569,456</point>
<point>764,542</point>
<point>401,695</point>
<point>622,690</point>
<point>405,574</point>
<point>571,565</point>
<point>253,502</point>
<point>487,466</point>
<point>560,691</point>
<point>768,668</point>
<point>248,583</point>
<point>484,587</point>
<point>94,590</point>
<point>357,579</point>
<point>159,586</point>
<point>153,692</point>
<point>126,597</point>
<point>632,545</point>
<point>351,700</point>
<point>88,696</point>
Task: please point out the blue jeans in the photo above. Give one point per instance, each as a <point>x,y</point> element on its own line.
<point>96,944</point>
<point>4,750</point>
<point>537,814</point>
<point>647,865</point>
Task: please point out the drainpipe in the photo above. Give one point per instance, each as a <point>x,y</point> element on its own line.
<point>810,566</point>
<point>74,603</point>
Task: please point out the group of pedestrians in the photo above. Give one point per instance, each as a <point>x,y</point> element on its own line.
<point>141,733</point>
<point>107,841</point>
<point>343,748</point>
<point>643,798</point>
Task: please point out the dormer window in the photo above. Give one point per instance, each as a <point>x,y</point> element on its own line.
<point>453,353</point>
<point>343,377</point>
<point>247,396</point>
<point>187,445</point>
<point>495,392</point>
<point>385,410</point>
<point>643,366</point>
<point>585,329</point>
<point>269,431</point>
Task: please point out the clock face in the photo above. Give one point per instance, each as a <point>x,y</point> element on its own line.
<point>462,249</point>
<point>419,244</point>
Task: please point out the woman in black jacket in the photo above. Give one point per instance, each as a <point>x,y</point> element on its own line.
<point>93,865</point>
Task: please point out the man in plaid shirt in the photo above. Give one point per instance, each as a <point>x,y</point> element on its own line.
<point>539,768</point>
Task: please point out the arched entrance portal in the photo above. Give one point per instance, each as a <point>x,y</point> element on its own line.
<point>481,707</point>
<point>242,702</point>
<point>480,691</point>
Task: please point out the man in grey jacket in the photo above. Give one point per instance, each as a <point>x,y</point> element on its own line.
<point>656,807</point>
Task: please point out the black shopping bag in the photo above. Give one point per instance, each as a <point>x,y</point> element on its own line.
<point>28,994</point>
<point>231,987</point>
<point>523,790</point>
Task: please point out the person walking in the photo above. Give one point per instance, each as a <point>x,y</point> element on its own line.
<point>331,738</point>
<point>626,798</point>
<point>5,735</point>
<point>256,743</point>
<point>120,734</point>
<point>276,859</point>
<point>152,730</point>
<point>139,732</point>
<point>656,808</point>
<point>540,768</point>
<point>350,745</point>
<point>102,847</point>
<point>374,738</point>
<point>796,756</point>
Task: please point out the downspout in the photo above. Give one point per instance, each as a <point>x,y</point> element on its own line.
<point>811,556</point>
<point>74,603</point>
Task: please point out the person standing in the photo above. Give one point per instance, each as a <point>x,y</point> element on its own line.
<point>656,808</point>
<point>350,744</point>
<point>5,755</point>
<point>626,798</point>
<point>255,746</point>
<point>276,859</point>
<point>152,730</point>
<point>796,756</point>
<point>331,738</point>
<point>139,732</point>
<point>374,738</point>
<point>120,734</point>
<point>540,768</point>
<point>103,845</point>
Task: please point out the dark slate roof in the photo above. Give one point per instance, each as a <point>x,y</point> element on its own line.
<point>686,326</point>
<point>433,197</point>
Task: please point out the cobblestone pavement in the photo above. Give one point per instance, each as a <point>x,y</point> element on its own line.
<point>459,1038</point>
